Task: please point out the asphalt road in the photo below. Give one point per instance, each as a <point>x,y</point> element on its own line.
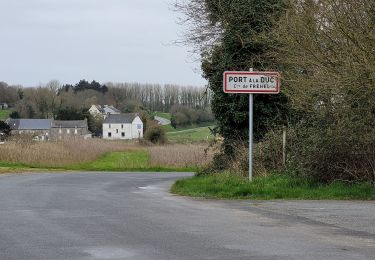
<point>162,120</point>
<point>132,216</point>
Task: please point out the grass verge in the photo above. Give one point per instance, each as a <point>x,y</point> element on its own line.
<point>116,161</point>
<point>274,186</point>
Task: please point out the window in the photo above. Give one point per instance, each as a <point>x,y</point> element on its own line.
<point>68,131</point>
<point>76,131</point>
<point>109,134</point>
<point>116,131</point>
<point>60,131</point>
<point>122,126</point>
<point>123,134</point>
<point>109,126</point>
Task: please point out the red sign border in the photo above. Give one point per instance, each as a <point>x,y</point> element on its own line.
<point>276,74</point>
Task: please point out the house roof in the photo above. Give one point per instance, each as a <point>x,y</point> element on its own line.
<point>30,124</point>
<point>106,109</point>
<point>69,124</point>
<point>120,118</point>
<point>110,109</point>
<point>99,107</point>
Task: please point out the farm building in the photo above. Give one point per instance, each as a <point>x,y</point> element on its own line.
<point>70,129</point>
<point>48,129</point>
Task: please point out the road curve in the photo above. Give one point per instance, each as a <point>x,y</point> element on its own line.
<point>162,120</point>
<point>132,216</point>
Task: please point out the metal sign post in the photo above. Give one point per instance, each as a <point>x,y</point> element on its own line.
<point>251,105</point>
<point>251,82</point>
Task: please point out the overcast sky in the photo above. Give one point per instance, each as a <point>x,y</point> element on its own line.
<point>105,40</point>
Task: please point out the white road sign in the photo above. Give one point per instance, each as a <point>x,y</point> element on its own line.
<point>261,82</point>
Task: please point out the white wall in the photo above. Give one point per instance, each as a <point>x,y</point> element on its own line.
<point>137,131</point>
<point>93,110</point>
<point>130,131</point>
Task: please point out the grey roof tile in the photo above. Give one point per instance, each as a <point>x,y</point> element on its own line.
<point>30,124</point>
<point>120,118</point>
<point>69,124</point>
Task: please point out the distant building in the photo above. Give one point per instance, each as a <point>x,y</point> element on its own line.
<point>39,129</point>
<point>48,129</point>
<point>122,126</point>
<point>3,106</point>
<point>103,110</point>
<point>71,129</point>
<point>96,110</point>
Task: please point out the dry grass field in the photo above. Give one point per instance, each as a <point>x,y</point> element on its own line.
<point>59,153</point>
<point>67,153</point>
<point>179,155</point>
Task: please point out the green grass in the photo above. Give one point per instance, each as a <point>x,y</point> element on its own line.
<point>168,128</point>
<point>6,167</point>
<point>116,161</point>
<point>4,114</point>
<point>13,165</point>
<point>200,134</point>
<point>275,186</point>
<point>186,134</point>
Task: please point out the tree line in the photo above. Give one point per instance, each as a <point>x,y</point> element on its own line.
<point>49,100</point>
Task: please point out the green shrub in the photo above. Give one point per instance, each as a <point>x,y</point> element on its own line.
<point>267,156</point>
<point>339,151</point>
<point>155,134</point>
<point>183,116</point>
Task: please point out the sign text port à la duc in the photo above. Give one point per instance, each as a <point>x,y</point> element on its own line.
<point>251,82</point>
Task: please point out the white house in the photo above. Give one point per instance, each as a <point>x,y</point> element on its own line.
<point>95,110</point>
<point>3,106</point>
<point>103,110</point>
<point>122,126</point>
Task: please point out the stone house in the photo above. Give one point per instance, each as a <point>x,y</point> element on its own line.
<point>39,129</point>
<point>72,129</point>
<point>49,129</point>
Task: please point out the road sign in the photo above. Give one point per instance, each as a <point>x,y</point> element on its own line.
<point>263,82</point>
<point>250,82</point>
